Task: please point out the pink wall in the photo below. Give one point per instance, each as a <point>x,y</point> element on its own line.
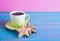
<point>30,5</point>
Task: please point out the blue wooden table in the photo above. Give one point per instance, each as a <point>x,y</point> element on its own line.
<point>47,25</point>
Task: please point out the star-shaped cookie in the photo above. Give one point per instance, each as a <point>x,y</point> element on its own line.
<point>25,30</point>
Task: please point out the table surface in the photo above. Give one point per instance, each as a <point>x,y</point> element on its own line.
<point>47,26</point>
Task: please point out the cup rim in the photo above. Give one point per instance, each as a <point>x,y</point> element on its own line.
<point>17,11</point>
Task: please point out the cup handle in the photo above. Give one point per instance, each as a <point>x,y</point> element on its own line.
<point>27,18</point>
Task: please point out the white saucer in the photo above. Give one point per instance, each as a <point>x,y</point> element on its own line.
<point>9,25</point>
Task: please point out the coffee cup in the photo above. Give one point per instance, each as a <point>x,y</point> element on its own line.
<point>18,18</point>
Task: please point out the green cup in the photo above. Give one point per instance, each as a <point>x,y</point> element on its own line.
<point>18,18</point>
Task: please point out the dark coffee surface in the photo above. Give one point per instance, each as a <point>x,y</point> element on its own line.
<point>18,13</point>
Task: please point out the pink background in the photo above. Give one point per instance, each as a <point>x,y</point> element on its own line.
<point>30,5</point>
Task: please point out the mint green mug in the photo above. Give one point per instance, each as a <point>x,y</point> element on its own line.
<point>18,18</point>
